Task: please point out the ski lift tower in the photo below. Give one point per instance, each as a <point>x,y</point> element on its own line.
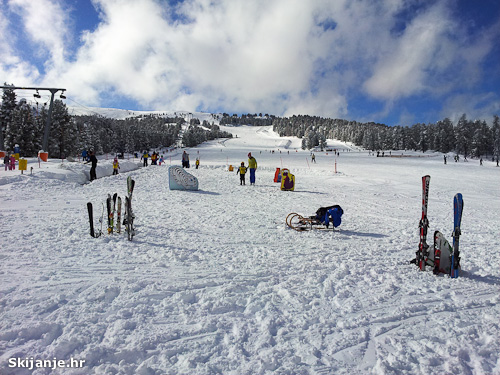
<point>48,122</point>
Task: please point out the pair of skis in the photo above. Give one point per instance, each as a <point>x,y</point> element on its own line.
<point>422,255</point>
<point>114,211</point>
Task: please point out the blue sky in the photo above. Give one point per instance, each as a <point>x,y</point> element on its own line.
<point>396,62</point>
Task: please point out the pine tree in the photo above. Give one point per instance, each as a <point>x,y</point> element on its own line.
<point>495,135</point>
<point>8,105</point>
<point>63,132</point>
<point>21,129</point>
<point>464,134</point>
<point>480,139</point>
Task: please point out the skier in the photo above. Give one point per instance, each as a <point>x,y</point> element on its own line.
<point>93,160</point>
<point>242,170</point>
<point>197,163</point>
<point>160,160</point>
<point>116,166</point>
<point>185,159</point>
<point>481,161</point>
<point>313,158</point>
<point>252,165</point>
<point>444,158</point>
<point>145,157</point>
<point>6,161</point>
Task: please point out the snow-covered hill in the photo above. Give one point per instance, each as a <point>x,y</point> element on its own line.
<point>121,114</point>
<point>215,283</point>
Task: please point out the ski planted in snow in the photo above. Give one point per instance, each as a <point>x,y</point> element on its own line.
<point>129,219</point>
<point>129,214</point>
<point>113,221</point>
<point>91,221</point>
<point>130,187</point>
<point>423,248</point>
<point>91,218</point>
<point>110,213</point>
<point>119,216</point>
<point>458,207</point>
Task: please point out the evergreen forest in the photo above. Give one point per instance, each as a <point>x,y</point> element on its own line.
<point>23,124</point>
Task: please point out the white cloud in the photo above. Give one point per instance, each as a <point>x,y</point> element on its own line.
<point>275,56</point>
<point>45,22</point>
<point>414,59</point>
<point>479,106</point>
<point>12,68</point>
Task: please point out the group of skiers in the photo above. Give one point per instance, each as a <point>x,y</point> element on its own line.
<point>156,159</point>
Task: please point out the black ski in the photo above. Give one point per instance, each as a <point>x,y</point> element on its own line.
<point>119,216</point>
<point>91,221</point>
<point>110,213</point>
<point>115,197</point>
<point>91,218</point>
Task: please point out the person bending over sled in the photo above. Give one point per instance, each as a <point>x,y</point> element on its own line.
<point>330,214</point>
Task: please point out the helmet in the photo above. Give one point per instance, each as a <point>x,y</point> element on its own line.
<point>242,163</point>
<point>249,154</point>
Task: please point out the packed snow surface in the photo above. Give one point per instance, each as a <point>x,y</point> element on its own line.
<point>214,282</point>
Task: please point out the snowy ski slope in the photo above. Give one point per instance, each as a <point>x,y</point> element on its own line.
<point>215,283</point>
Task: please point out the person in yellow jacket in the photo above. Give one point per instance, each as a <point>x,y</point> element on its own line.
<point>145,157</point>
<point>242,170</point>
<point>116,166</point>
<point>252,165</point>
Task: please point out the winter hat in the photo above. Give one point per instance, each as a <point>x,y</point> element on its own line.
<point>249,154</point>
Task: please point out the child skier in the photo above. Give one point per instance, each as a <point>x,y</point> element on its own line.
<point>116,166</point>
<point>242,170</point>
<point>197,163</point>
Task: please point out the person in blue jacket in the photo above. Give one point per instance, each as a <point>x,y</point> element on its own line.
<point>331,214</point>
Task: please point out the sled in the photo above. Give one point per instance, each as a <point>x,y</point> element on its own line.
<point>300,223</point>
